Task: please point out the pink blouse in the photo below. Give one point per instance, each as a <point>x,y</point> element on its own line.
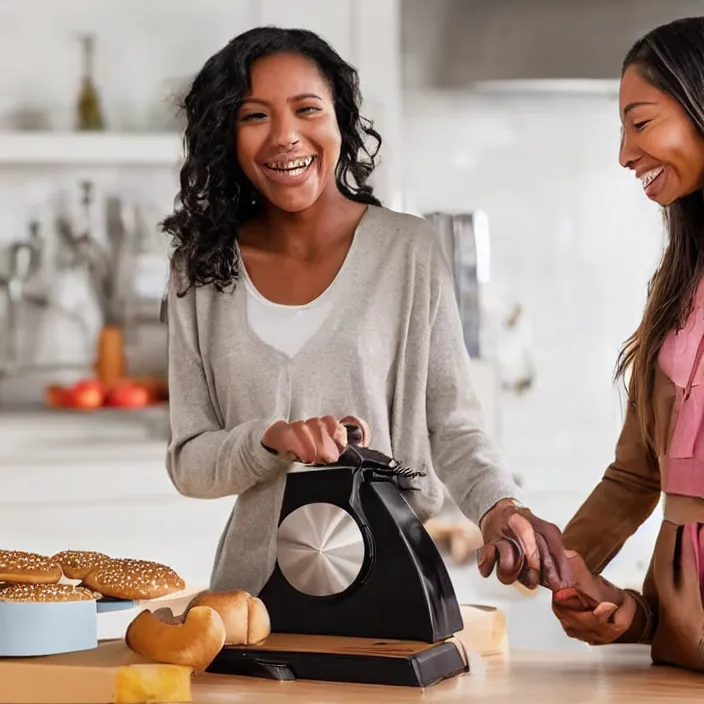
<point>683,471</point>
<point>681,360</point>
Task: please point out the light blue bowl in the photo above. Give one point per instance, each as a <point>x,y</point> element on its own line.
<point>29,629</point>
<point>108,605</point>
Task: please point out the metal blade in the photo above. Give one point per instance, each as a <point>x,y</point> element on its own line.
<point>320,549</point>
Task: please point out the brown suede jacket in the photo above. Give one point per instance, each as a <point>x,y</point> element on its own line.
<point>671,614</point>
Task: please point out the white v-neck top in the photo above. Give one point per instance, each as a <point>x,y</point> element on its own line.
<point>283,327</point>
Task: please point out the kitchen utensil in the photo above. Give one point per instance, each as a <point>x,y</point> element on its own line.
<point>87,252</point>
<point>123,227</point>
<point>465,242</point>
<point>24,262</point>
<point>110,265</point>
<point>355,569</point>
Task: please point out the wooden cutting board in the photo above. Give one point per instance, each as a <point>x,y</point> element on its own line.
<point>94,676</point>
<point>108,674</point>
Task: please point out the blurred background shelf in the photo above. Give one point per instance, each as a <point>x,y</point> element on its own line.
<point>547,86</point>
<point>90,148</point>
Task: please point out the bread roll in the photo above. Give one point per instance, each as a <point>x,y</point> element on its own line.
<point>245,617</point>
<point>194,643</point>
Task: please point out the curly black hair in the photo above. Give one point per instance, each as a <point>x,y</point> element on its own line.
<point>215,195</point>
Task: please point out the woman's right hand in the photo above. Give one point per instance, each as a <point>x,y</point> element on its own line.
<point>593,610</point>
<point>313,441</point>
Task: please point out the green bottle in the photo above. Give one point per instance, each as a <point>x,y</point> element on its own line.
<point>89,113</point>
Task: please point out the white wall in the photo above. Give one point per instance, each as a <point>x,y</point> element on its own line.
<point>573,240</point>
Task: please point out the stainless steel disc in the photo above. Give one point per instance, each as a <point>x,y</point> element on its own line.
<point>320,549</point>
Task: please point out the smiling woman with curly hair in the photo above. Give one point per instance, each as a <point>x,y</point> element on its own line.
<point>298,306</point>
<point>216,194</point>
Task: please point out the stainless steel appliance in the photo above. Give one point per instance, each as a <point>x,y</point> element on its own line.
<point>465,242</point>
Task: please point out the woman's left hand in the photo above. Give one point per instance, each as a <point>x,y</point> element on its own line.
<point>593,610</point>
<point>523,548</point>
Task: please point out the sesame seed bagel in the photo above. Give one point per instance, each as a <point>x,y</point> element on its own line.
<point>76,564</point>
<point>28,568</point>
<point>43,593</point>
<point>133,579</point>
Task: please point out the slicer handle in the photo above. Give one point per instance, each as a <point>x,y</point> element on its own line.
<point>355,435</point>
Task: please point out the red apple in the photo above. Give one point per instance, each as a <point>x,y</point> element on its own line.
<point>57,396</point>
<point>128,395</point>
<point>86,394</point>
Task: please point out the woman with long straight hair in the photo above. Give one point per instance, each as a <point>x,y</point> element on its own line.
<point>661,447</point>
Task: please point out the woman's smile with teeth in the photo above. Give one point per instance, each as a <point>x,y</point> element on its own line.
<point>647,178</point>
<point>291,167</point>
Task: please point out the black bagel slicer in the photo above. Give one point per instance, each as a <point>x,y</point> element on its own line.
<point>359,591</point>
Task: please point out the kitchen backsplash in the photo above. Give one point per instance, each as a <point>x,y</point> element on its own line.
<point>573,241</point>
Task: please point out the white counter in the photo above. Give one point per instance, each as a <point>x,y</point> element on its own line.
<point>86,482</point>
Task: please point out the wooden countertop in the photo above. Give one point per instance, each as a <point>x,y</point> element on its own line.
<point>623,675</point>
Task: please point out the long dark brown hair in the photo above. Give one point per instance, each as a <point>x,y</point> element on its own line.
<point>671,58</point>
